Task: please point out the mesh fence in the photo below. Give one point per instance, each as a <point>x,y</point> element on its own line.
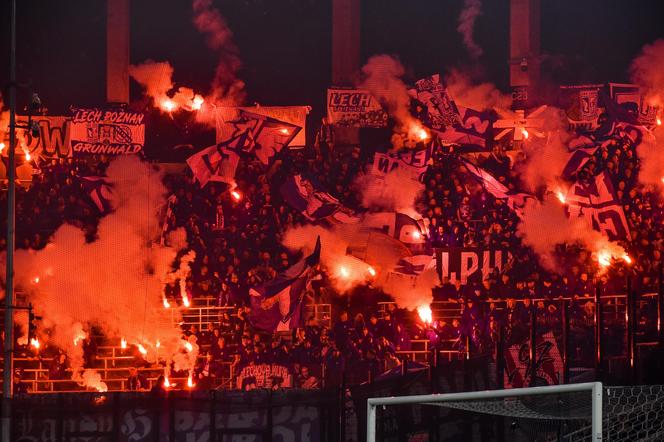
<point>629,414</point>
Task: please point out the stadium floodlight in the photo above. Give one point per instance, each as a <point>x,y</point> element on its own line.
<point>471,399</point>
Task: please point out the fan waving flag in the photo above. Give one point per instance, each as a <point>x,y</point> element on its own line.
<point>277,304</point>
<point>214,163</point>
<point>99,191</point>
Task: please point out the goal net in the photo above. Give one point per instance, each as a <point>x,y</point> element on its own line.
<point>575,412</point>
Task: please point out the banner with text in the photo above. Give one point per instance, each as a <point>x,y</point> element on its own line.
<point>107,132</point>
<point>354,108</point>
<point>469,263</point>
<point>268,376</point>
<point>53,139</point>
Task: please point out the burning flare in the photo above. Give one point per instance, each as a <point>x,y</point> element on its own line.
<point>627,259</point>
<point>188,346</point>
<point>168,105</point>
<point>166,303</point>
<point>344,272</point>
<point>27,155</point>
<point>237,196</point>
<point>604,258</point>
<point>190,381</point>
<point>525,133</point>
<point>123,343</point>
<point>34,343</point>
<point>167,383</point>
<point>142,349</point>
<point>426,315</point>
<point>35,280</point>
<point>371,271</point>
<point>197,102</point>
<point>79,337</point>
<point>185,299</point>
<point>561,197</point>
<point>659,121</point>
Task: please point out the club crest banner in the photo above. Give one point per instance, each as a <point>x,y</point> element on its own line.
<point>106,132</point>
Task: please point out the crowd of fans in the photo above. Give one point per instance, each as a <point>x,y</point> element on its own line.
<point>238,245</point>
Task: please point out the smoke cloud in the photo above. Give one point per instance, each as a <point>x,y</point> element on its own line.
<point>651,156</point>
<point>482,96</point>
<point>227,89</point>
<point>647,71</point>
<point>156,77</point>
<point>116,281</point>
<point>546,158</point>
<point>382,77</point>
<point>395,192</point>
<point>370,251</point>
<point>545,225</point>
<point>471,10</point>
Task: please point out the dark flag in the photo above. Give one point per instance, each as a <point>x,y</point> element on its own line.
<point>99,191</point>
<point>277,304</point>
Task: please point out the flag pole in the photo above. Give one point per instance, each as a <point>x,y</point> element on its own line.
<point>7,380</point>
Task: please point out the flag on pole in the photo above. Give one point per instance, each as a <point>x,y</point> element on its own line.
<point>515,200</point>
<point>214,163</point>
<point>256,134</point>
<point>99,190</point>
<point>277,304</point>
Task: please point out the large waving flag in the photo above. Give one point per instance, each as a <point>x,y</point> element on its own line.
<point>515,201</point>
<point>306,195</point>
<point>597,201</point>
<point>277,304</point>
<point>256,134</point>
<point>214,163</point>
<point>467,129</point>
<point>99,190</point>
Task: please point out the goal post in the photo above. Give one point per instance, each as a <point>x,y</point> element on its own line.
<point>593,388</point>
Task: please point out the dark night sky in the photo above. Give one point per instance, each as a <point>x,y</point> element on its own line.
<point>285,44</point>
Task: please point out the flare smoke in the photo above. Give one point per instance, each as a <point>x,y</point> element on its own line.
<point>382,77</point>
<point>483,96</point>
<point>379,253</point>
<point>471,10</point>
<point>647,71</point>
<point>395,192</point>
<point>227,89</point>
<point>114,282</point>
<point>545,225</point>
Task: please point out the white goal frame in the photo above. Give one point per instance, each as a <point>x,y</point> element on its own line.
<point>595,388</point>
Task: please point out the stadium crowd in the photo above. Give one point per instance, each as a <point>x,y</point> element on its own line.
<point>238,245</point>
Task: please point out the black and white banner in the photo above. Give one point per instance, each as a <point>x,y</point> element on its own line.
<point>597,201</point>
<point>469,263</point>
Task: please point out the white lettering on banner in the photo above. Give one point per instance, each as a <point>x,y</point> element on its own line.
<point>110,149</point>
<point>469,264</point>
<point>459,263</point>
